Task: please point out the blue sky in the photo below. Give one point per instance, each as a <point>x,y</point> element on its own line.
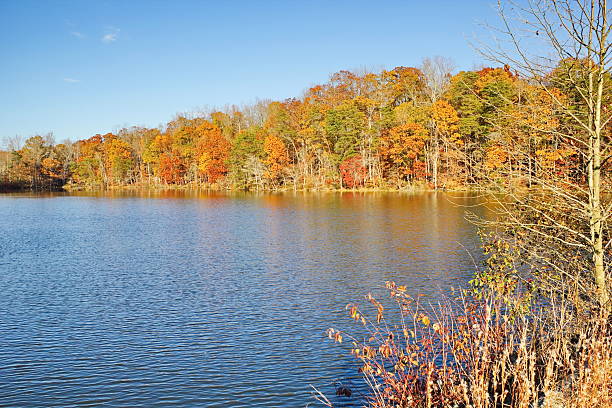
<point>77,68</point>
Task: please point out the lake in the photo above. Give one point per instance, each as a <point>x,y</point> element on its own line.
<point>203,299</point>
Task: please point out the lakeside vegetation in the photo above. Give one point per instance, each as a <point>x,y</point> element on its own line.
<point>533,330</point>
<point>407,127</point>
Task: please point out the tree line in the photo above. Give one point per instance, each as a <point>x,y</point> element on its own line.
<point>393,129</point>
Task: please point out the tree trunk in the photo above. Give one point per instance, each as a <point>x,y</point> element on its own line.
<point>594,170</point>
<point>434,159</point>
<point>595,199</point>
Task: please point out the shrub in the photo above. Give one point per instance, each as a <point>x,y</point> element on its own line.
<point>477,352</point>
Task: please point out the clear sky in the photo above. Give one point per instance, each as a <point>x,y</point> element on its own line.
<point>78,68</point>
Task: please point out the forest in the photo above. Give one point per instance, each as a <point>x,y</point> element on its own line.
<point>532,133</point>
<point>402,128</point>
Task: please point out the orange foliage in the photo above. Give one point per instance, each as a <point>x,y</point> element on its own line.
<point>117,155</point>
<point>446,119</point>
<point>402,84</point>
<point>171,168</point>
<point>277,158</point>
<point>559,162</point>
<point>488,75</point>
<point>401,147</point>
<point>213,151</point>
<point>90,147</point>
<point>496,156</point>
<point>51,167</point>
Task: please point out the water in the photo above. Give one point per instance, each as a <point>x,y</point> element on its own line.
<point>205,300</point>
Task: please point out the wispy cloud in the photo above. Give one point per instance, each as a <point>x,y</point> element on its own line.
<point>77,34</point>
<point>72,80</point>
<point>111,36</point>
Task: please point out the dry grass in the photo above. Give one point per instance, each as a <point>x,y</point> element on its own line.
<point>470,352</point>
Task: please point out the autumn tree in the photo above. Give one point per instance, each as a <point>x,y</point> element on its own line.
<point>30,159</point>
<point>402,85</point>
<point>276,158</point>
<point>436,74</point>
<point>353,171</point>
<point>118,159</point>
<point>89,166</point>
<point>402,149</point>
<point>445,133</point>
<point>561,227</point>
<point>160,144</point>
<point>139,139</point>
<point>185,139</point>
<point>213,152</point>
<point>171,168</point>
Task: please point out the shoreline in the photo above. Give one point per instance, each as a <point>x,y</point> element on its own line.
<point>421,187</point>
<point>217,189</point>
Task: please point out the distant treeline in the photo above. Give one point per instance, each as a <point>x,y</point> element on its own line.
<point>393,129</point>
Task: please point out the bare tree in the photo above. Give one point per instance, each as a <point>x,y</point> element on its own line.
<point>14,143</point>
<point>563,48</point>
<point>437,72</point>
<point>254,170</point>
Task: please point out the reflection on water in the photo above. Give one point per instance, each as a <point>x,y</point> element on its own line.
<point>190,298</point>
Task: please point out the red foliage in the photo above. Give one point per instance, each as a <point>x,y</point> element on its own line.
<point>419,170</point>
<point>353,171</point>
<point>171,168</point>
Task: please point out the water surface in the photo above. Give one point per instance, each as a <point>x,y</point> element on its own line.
<point>205,300</point>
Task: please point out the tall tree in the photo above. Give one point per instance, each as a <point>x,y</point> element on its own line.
<point>276,158</point>
<point>213,152</point>
<point>567,218</point>
<point>437,74</point>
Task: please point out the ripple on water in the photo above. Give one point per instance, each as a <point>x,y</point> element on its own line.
<point>204,300</point>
